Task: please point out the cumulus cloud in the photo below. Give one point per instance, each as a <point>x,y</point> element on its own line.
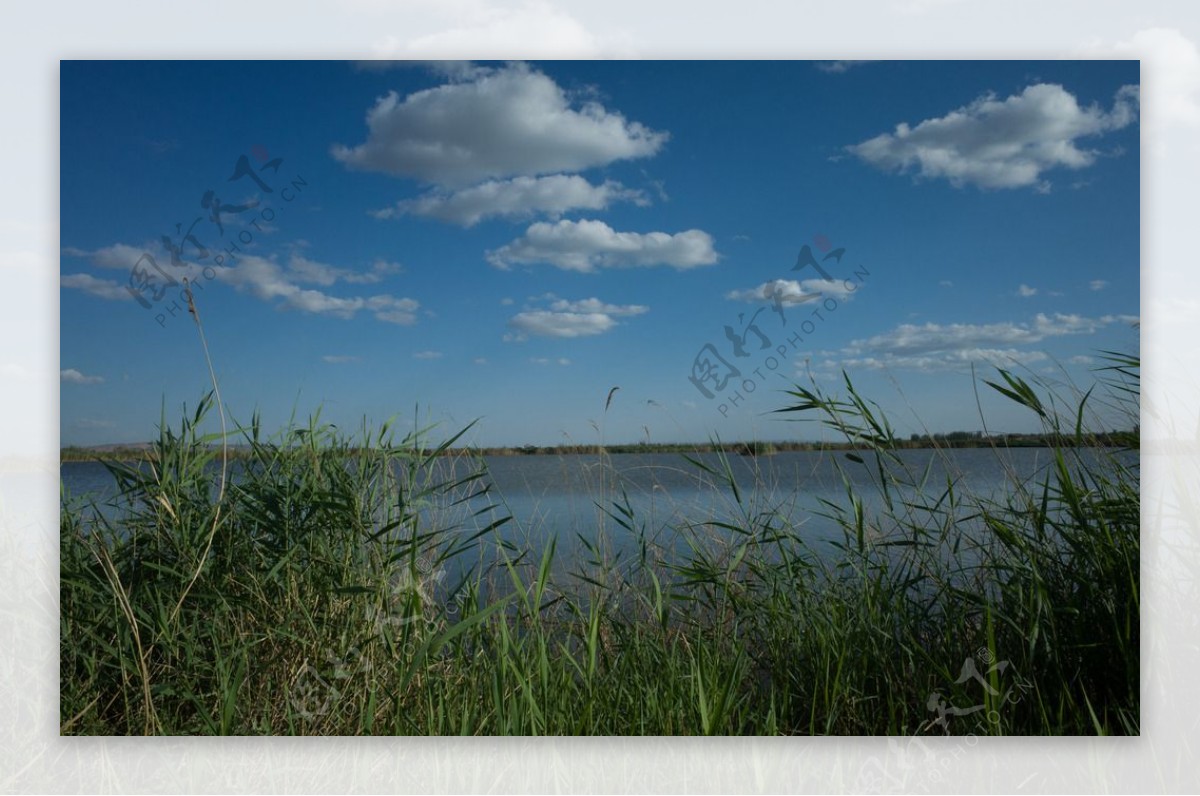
<point>264,278</point>
<point>519,197</point>
<point>790,292</point>
<point>994,143</point>
<point>592,305</point>
<point>119,255</point>
<point>912,338</point>
<point>305,270</point>
<point>565,318</point>
<point>787,291</point>
<point>1025,291</point>
<point>505,122</point>
<point>934,347</point>
<point>73,376</point>
<point>101,288</point>
<point>956,359</point>
<point>269,281</point>
<point>588,245</point>
<point>390,309</point>
<point>543,323</point>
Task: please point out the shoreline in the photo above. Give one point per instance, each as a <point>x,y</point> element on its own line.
<point>767,448</point>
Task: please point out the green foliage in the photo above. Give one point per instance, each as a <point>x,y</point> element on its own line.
<point>369,588</point>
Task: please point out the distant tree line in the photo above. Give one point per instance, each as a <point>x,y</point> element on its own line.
<point>953,439</point>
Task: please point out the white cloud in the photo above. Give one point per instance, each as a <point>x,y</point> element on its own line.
<point>505,122</point>
<point>480,360</point>
<point>912,338</point>
<point>588,245</point>
<point>1098,284</point>
<point>791,292</point>
<point>1082,359</point>
<point>946,283</point>
<point>542,323</point>
<point>102,288</point>
<point>72,376</point>
<point>937,347</point>
<point>547,361</point>
<point>995,143</point>
<point>259,276</point>
<point>593,305</point>
<point>957,359</point>
<point>519,197</point>
<point>1025,291</point>
<point>339,359</point>
<point>389,309</point>
<point>566,318</point>
<point>427,355</point>
<point>842,289</point>
<point>118,256</point>
<point>379,269</point>
<point>303,269</point>
<point>1063,323</point>
<point>268,281</point>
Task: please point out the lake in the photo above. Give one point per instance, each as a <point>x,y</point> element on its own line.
<point>557,495</point>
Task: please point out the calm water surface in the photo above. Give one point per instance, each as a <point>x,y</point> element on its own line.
<point>550,495</point>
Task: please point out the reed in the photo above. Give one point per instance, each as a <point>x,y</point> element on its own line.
<point>374,586</point>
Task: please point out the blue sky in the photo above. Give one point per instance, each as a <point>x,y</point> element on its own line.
<point>508,241</point>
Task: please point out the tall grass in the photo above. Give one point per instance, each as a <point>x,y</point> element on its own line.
<point>369,587</point>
